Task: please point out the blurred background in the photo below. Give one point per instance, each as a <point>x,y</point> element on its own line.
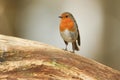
<point>98,21</point>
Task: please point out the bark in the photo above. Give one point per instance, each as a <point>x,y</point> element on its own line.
<point>22,59</point>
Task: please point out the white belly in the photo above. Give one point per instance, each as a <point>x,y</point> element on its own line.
<point>69,36</point>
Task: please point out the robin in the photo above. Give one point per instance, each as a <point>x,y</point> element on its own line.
<point>69,30</point>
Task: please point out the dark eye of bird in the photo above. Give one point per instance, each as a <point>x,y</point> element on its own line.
<point>66,16</point>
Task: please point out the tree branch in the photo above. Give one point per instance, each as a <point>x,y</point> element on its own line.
<point>31,60</point>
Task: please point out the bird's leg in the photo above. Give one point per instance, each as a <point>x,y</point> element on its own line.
<point>66,43</point>
<point>73,47</point>
<point>73,51</point>
<point>65,48</point>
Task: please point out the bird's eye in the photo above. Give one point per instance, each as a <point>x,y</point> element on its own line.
<point>66,16</point>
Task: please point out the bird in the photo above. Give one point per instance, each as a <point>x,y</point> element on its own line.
<point>69,31</point>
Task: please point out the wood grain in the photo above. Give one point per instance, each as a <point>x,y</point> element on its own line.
<point>30,60</point>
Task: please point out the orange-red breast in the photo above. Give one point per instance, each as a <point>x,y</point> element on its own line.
<point>69,30</point>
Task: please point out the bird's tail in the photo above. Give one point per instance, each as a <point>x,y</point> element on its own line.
<point>75,46</point>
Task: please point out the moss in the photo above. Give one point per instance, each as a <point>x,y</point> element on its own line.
<point>59,65</point>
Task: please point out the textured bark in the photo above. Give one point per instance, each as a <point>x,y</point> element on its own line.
<point>29,60</point>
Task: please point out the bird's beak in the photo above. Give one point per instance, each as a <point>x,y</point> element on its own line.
<point>60,16</point>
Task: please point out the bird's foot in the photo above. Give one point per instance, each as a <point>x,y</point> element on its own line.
<point>72,51</point>
<point>65,49</point>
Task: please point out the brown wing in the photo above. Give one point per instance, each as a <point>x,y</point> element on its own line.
<point>78,39</point>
